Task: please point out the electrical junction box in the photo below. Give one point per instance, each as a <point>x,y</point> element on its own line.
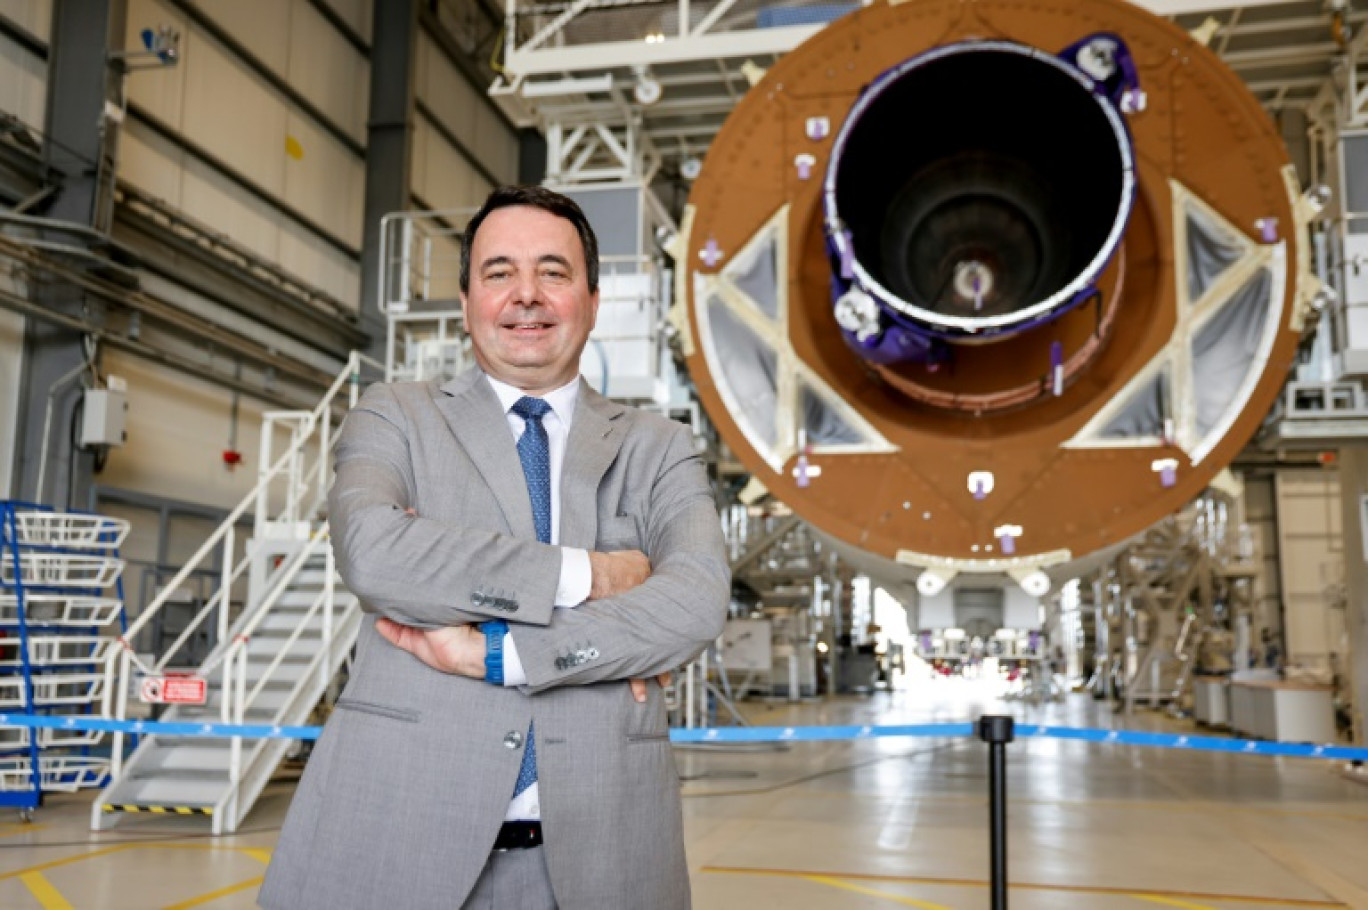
<point>103,416</point>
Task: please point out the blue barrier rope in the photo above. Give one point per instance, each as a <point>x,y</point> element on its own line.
<point>749,735</point>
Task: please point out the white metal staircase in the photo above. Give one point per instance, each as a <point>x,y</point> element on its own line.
<point>279,645</point>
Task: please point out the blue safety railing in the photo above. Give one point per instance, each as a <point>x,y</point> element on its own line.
<point>793,734</point>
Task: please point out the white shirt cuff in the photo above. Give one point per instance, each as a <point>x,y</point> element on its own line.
<point>514,675</point>
<point>576,578</point>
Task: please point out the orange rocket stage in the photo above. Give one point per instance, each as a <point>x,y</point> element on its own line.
<point>988,286</point>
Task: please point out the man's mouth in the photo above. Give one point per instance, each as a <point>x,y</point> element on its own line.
<point>528,327</point>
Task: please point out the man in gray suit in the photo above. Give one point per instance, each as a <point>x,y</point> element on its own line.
<point>528,547</point>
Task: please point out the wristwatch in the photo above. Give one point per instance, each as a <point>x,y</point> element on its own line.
<point>494,630</point>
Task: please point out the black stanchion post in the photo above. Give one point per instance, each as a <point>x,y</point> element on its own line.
<point>997,730</point>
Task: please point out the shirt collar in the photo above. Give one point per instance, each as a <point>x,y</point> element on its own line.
<point>562,400</point>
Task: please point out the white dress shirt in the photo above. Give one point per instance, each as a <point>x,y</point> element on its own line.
<point>575,574</point>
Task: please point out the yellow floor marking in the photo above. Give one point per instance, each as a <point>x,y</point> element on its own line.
<point>10,830</point>
<point>215,895</point>
<point>258,853</point>
<point>41,888</point>
<point>1037,886</point>
<point>42,867</point>
<point>1170,902</point>
<point>870,892</point>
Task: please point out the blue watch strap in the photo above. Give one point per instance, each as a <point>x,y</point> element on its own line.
<point>494,630</point>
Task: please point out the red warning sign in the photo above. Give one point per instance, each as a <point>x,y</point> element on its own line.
<point>173,690</point>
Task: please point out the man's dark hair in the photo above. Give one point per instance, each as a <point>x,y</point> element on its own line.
<point>546,200</point>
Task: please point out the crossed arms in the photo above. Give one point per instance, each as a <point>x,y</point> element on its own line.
<point>418,572</point>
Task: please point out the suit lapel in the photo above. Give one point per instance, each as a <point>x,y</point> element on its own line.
<point>472,411</point>
<point>596,434</point>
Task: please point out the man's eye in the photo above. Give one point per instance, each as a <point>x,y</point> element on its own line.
<point>555,274</point>
<point>497,276</point>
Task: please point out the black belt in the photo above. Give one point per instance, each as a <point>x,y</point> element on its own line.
<point>518,836</point>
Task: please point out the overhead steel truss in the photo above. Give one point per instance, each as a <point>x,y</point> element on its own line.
<point>568,64</point>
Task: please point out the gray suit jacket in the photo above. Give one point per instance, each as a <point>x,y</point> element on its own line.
<point>407,787</point>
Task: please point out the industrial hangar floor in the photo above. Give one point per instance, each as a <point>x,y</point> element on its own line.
<point>849,826</point>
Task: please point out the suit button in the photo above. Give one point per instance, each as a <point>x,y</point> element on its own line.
<point>478,598</point>
<point>581,656</point>
<point>593,653</point>
<point>512,739</point>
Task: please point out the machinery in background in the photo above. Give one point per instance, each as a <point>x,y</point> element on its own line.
<point>1173,606</point>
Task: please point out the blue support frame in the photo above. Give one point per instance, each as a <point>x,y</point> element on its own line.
<point>12,549</point>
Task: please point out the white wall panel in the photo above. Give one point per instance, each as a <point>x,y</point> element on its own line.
<point>262,26</point>
<point>151,163</point>
<point>211,198</point>
<point>294,41</point>
<point>234,114</point>
<point>328,70</point>
<point>34,16</point>
<point>23,84</point>
<point>11,358</point>
<point>177,430</point>
<point>467,114</point>
<point>446,92</point>
<point>356,13</point>
<point>1311,555</point>
<point>326,182</point>
<point>479,189</point>
<point>158,167</point>
<point>495,145</point>
<point>449,176</point>
<point>315,261</point>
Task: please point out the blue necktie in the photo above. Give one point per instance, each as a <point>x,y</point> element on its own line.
<point>535,454</point>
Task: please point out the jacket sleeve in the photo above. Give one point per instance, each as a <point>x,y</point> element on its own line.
<point>661,624</point>
<point>412,569</point>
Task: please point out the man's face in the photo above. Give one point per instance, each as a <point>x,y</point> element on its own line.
<point>528,310</point>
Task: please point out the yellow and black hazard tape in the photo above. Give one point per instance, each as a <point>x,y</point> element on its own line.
<point>159,810</point>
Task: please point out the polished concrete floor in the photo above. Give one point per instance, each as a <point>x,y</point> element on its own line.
<point>874,824</point>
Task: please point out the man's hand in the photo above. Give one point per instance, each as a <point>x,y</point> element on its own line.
<point>639,686</point>
<point>617,572</point>
<point>459,650</point>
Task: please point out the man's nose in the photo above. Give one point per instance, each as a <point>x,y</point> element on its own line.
<point>525,288</point>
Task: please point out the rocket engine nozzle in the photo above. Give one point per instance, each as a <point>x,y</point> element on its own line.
<point>978,190</point>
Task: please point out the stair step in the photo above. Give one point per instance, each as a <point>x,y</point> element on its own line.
<point>168,791</point>
<point>188,775</point>
<point>316,576</point>
<point>289,671</point>
<point>300,599</point>
<point>277,620</point>
<point>209,714</point>
<point>270,699</point>
<point>204,756</point>
<point>216,776</point>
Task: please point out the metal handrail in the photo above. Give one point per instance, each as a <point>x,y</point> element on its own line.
<point>199,617</point>
<point>244,635</point>
<point>239,646</point>
<point>119,665</point>
<point>241,699</point>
